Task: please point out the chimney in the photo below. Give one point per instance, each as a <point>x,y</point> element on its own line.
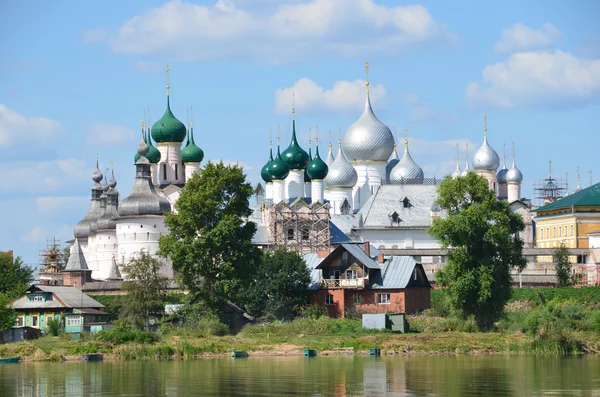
<point>380,258</point>
<point>367,248</point>
<point>322,253</point>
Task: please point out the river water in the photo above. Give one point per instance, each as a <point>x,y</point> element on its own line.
<point>318,376</point>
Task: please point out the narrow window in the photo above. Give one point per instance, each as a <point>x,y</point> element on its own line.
<point>34,321</point>
<point>542,233</point>
<point>148,236</point>
<point>329,299</point>
<point>356,299</point>
<point>20,321</point>
<point>305,234</point>
<point>164,171</point>
<point>571,230</point>
<point>554,231</point>
<point>406,202</point>
<point>559,231</point>
<point>290,234</point>
<point>351,274</point>
<point>176,172</point>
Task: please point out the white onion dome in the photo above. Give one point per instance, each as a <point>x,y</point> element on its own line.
<point>330,158</point>
<point>391,163</point>
<point>407,171</point>
<point>368,139</point>
<point>341,175</point>
<point>144,200</point>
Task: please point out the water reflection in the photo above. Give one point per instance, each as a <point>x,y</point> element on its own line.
<point>320,376</point>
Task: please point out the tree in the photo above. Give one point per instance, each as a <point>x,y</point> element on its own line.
<point>563,266</point>
<point>210,241</point>
<point>146,290</point>
<point>280,286</point>
<point>7,314</point>
<point>482,236</point>
<point>15,276</point>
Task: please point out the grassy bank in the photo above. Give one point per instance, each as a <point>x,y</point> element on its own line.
<point>543,321</point>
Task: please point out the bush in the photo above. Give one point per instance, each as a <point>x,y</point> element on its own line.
<point>54,326</point>
<point>123,333</point>
<point>313,311</point>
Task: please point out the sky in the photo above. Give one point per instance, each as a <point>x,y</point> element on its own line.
<point>76,78</point>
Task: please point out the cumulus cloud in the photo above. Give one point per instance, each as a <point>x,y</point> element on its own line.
<point>15,127</point>
<point>521,38</point>
<point>540,80</point>
<point>106,134</point>
<point>282,33</point>
<point>344,95</point>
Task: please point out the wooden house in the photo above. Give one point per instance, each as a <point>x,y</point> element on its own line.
<point>356,277</point>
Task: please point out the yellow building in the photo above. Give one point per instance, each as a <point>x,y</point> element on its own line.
<point>568,221</point>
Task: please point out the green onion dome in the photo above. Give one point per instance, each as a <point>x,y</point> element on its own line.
<point>168,128</point>
<point>192,153</point>
<point>294,156</point>
<point>317,169</point>
<point>278,169</point>
<point>306,176</point>
<point>264,172</point>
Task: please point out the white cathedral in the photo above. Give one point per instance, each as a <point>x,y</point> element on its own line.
<point>373,194</point>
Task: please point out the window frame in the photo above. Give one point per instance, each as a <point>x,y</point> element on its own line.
<point>353,274</point>
<point>357,299</point>
<point>383,299</point>
<point>35,321</point>
<point>291,236</point>
<point>329,300</point>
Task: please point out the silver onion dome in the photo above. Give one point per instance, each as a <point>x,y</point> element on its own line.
<point>329,160</point>
<point>486,158</point>
<point>83,228</point>
<point>144,200</point>
<point>407,171</point>
<point>391,163</point>
<point>457,171</point>
<point>341,174</point>
<point>501,175</point>
<point>368,139</point>
<point>514,175</point>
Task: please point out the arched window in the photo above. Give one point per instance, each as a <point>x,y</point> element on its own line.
<point>305,234</point>
<point>164,171</point>
<point>290,234</point>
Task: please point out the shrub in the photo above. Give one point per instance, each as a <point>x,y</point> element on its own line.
<point>123,333</point>
<point>54,326</point>
<point>313,311</point>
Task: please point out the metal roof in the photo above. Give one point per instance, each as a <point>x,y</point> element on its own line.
<point>360,255</point>
<point>76,260</point>
<point>590,196</point>
<point>69,297</point>
<point>312,261</point>
<point>397,271</point>
<point>388,199</point>
<point>336,235</point>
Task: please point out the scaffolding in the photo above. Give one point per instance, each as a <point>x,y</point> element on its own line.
<point>549,189</point>
<point>51,262</point>
<point>300,227</point>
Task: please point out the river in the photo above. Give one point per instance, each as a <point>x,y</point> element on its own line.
<point>495,375</point>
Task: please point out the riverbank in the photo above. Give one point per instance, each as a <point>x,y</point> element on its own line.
<point>59,349</point>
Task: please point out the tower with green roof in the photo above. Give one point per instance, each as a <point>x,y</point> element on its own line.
<point>191,155</point>
<point>169,133</point>
<point>278,171</point>
<point>264,174</point>
<point>296,159</point>
<point>317,171</point>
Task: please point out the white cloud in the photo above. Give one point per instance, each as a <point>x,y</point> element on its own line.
<point>32,235</point>
<point>16,127</point>
<point>344,95</point>
<point>537,80</point>
<point>106,134</point>
<point>422,111</point>
<point>284,33</point>
<point>43,177</point>
<point>46,205</point>
<point>520,38</point>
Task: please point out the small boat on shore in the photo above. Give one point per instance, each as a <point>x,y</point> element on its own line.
<point>10,360</point>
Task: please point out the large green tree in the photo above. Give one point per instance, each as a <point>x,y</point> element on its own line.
<point>146,290</point>
<point>564,277</point>
<point>280,287</point>
<point>482,236</point>
<point>210,239</point>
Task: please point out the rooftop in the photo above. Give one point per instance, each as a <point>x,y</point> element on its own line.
<point>590,196</point>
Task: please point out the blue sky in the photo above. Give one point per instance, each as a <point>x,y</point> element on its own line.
<point>75,78</point>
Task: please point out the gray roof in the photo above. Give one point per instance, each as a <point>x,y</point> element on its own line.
<point>114,274</point>
<point>69,297</point>
<point>357,252</point>
<point>336,236</point>
<point>312,261</point>
<point>76,260</point>
<point>397,271</point>
<point>388,199</point>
